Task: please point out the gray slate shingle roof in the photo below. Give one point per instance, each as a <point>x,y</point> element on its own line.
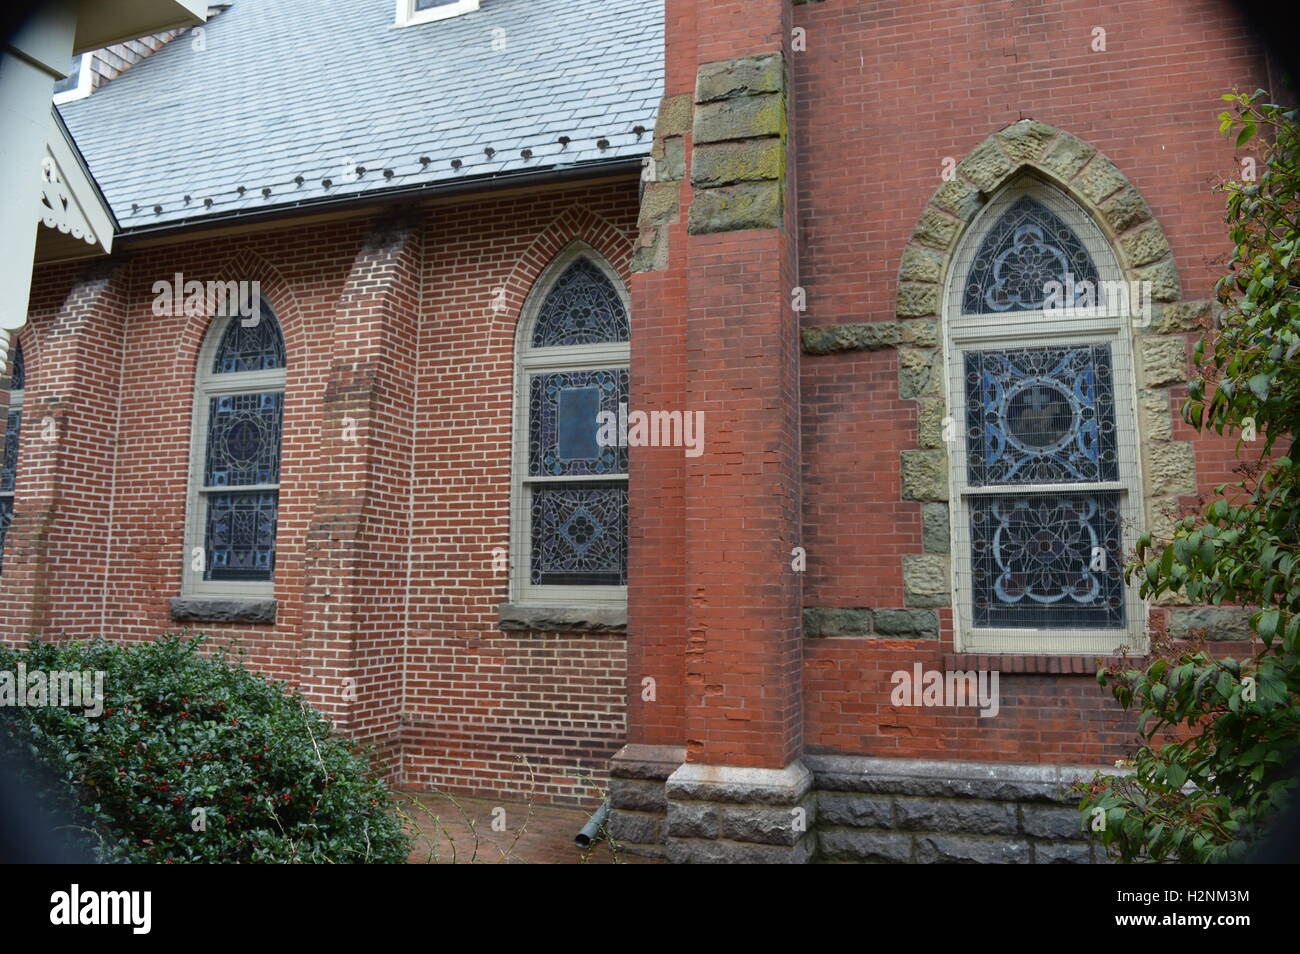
<point>314,88</point>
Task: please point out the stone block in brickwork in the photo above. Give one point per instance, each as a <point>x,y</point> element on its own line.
<point>748,205</point>
<point>745,76</point>
<point>819,621</point>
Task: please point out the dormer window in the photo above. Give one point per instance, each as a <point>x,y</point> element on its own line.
<point>79,81</point>
<point>411,12</point>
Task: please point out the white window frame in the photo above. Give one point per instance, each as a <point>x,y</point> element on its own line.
<point>1027,329</point>
<point>207,385</point>
<point>407,15</point>
<point>528,362</point>
<point>85,81</point>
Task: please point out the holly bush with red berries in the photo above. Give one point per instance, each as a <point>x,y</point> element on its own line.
<point>198,759</point>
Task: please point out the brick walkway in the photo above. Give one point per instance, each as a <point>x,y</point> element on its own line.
<point>540,835</point>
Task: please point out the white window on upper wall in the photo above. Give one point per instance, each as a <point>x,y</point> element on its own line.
<point>234,493</point>
<point>13,425</point>
<point>569,494</point>
<point>1044,452</point>
<point>410,12</point>
<point>79,82</point>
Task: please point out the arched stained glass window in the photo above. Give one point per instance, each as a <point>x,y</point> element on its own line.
<point>1028,248</point>
<point>1045,488</point>
<point>570,517</point>
<point>582,307</point>
<point>13,426</point>
<point>255,347</point>
<point>235,495</point>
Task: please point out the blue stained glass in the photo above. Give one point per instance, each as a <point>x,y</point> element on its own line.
<point>244,439</point>
<point>582,307</point>
<point>1028,247</point>
<point>578,424</point>
<point>556,416</point>
<point>6,518</point>
<point>18,375</point>
<point>1047,561</point>
<point>12,427</point>
<point>248,345</point>
<point>579,534</point>
<point>239,538</point>
<point>1040,415</point>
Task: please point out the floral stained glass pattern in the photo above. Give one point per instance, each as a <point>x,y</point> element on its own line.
<point>1040,415</point>
<point>579,534</point>
<point>10,469</point>
<point>581,308</point>
<point>6,518</point>
<point>248,345</point>
<point>244,439</point>
<point>562,422</point>
<point>18,374</point>
<point>1047,561</point>
<point>1028,247</point>
<point>240,535</point>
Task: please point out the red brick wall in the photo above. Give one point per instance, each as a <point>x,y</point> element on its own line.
<point>884,93</point>
<point>384,551</point>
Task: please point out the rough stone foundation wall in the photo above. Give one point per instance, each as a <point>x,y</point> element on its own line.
<point>852,809</point>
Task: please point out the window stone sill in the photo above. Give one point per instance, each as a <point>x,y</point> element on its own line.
<point>209,609</point>
<point>1054,664</point>
<point>537,618</point>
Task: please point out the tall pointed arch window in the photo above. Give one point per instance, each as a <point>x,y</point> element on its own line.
<point>235,457</point>
<point>569,521</point>
<point>13,424</point>
<point>1046,493</point>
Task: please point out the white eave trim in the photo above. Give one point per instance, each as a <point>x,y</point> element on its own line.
<point>69,200</point>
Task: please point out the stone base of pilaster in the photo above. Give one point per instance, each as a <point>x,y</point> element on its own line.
<point>637,800</point>
<point>720,814</point>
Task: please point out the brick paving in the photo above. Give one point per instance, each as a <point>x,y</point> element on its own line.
<point>537,834</point>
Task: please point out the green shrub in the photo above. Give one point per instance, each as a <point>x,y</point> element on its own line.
<point>181,731</point>
<point>1213,790</point>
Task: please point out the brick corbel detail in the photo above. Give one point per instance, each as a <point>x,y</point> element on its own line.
<point>355,567</point>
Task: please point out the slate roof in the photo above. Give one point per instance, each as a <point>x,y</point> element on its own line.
<point>315,88</point>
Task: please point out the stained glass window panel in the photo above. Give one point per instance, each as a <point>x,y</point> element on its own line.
<point>18,374</point>
<point>1028,247</point>
<point>6,518</point>
<point>579,533</point>
<point>244,439</point>
<point>10,468</point>
<point>240,535</point>
<point>250,346</point>
<point>581,308</point>
<point>1047,561</point>
<point>1040,415</point>
<point>562,422</point>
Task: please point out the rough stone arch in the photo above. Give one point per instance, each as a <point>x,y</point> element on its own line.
<point>1143,254</point>
<point>1160,349</point>
<point>1068,163</point>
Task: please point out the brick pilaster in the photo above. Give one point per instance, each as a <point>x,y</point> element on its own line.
<point>715,306</point>
<point>358,540</point>
<point>59,547</point>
